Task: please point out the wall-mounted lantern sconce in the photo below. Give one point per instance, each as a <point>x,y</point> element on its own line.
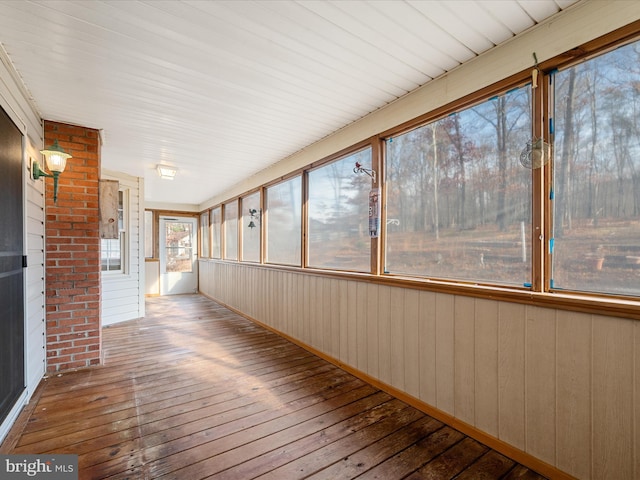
<point>167,172</point>
<point>56,159</point>
<point>254,215</point>
<point>360,169</point>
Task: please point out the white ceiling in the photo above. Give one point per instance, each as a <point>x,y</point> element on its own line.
<point>223,89</point>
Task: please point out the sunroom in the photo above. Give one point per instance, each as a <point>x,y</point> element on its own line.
<point>439,200</point>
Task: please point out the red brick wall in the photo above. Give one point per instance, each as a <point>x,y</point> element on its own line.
<point>73,252</point>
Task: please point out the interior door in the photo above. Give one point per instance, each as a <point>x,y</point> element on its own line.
<point>178,252</point>
<point>11,274</point>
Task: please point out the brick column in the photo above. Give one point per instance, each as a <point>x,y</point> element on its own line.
<point>73,252</point>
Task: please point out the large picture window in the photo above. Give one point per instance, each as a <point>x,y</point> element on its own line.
<point>458,198</point>
<point>284,222</point>
<point>596,175</point>
<point>251,226</point>
<point>231,230</point>
<point>339,215</point>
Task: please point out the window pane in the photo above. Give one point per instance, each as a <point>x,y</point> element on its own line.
<point>121,226</point>
<point>597,174</point>
<point>113,251</point>
<point>231,230</point>
<point>204,234</point>
<point>459,201</point>
<point>148,234</point>
<point>251,225</point>
<point>179,246</point>
<point>111,254</point>
<point>216,232</point>
<point>339,215</point>
<point>284,227</point>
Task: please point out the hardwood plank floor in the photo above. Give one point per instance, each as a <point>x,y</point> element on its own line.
<point>195,391</point>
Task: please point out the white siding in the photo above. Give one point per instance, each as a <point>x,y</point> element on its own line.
<point>123,293</point>
<point>34,292</point>
<point>14,100</point>
<point>561,386</point>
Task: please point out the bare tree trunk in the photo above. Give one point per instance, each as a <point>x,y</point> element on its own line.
<point>619,150</point>
<point>565,164</point>
<point>436,217</point>
<point>593,185</point>
<point>457,141</point>
<point>423,214</point>
<point>501,130</point>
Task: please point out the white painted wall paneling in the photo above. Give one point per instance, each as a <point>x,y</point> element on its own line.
<point>35,281</point>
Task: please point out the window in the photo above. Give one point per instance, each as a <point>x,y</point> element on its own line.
<point>178,247</point>
<point>458,199</point>
<point>204,235</point>
<point>113,251</point>
<point>251,227</point>
<point>339,215</point>
<point>464,193</point>
<point>111,254</point>
<point>284,222</point>
<point>148,234</point>
<point>216,232</point>
<point>596,175</point>
<point>231,230</point>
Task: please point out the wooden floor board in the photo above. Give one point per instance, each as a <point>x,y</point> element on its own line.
<point>491,465</point>
<point>195,391</point>
<point>292,451</point>
<point>184,459</point>
<point>450,463</point>
<point>418,454</point>
<point>520,472</point>
<point>291,436</point>
<point>156,392</point>
<point>359,462</point>
<point>176,421</point>
<point>328,455</point>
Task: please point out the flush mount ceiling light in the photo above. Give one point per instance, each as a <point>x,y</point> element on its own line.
<point>56,159</point>
<point>166,171</point>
